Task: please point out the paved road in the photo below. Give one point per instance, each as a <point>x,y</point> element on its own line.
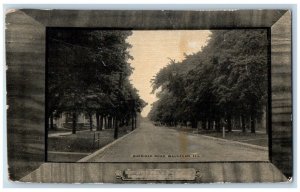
<point>160,144</point>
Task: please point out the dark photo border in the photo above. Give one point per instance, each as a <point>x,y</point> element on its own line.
<point>268,114</point>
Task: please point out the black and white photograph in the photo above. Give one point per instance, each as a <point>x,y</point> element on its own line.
<point>149,96</point>
<point>206,92</point>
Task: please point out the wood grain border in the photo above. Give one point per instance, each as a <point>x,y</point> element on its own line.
<point>25,58</point>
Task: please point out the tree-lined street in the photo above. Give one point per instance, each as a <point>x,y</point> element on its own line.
<point>150,143</point>
<point>222,87</point>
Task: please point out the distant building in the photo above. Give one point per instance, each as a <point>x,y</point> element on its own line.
<point>65,121</point>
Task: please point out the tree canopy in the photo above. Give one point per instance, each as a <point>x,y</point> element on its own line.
<point>88,72</point>
<point>226,80</point>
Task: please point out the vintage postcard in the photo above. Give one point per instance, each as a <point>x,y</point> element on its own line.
<point>149,96</point>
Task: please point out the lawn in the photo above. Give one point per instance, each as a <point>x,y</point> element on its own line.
<point>59,131</point>
<point>82,142</point>
<point>259,138</point>
<point>66,130</point>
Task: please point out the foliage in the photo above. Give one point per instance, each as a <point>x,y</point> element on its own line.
<point>88,72</point>
<point>227,79</point>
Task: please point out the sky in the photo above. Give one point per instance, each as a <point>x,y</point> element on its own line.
<point>151,51</point>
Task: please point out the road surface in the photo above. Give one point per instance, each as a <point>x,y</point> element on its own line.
<point>160,144</point>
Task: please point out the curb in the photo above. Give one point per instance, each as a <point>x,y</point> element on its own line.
<point>85,159</point>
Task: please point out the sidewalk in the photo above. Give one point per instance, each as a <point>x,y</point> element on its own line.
<point>64,134</point>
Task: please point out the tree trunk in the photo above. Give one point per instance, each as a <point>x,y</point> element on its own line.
<point>74,121</point>
<point>209,124</point>
<point>132,122</point>
<point>127,121</point>
<point>105,123</point>
<point>243,124</point>
<point>101,123</point>
<point>116,133</point>
<point>91,122</point>
<point>218,127</point>
<point>204,124</point>
<point>194,124</point>
<point>229,125</point>
<point>113,122</point>
<point>122,122</point>
<point>252,119</point>
<point>109,122</point>
<point>97,120</point>
<point>51,122</point>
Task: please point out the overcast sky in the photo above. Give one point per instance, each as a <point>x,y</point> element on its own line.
<point>151,50</point>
